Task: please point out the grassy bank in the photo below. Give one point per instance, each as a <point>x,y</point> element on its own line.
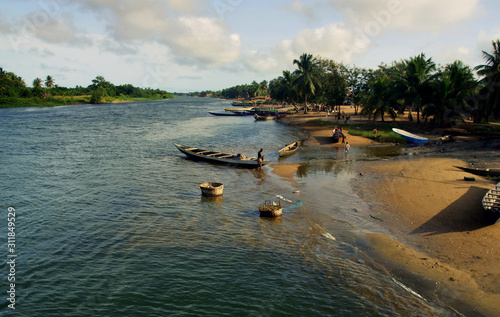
<point>12,102</point>
<point>384,133</point>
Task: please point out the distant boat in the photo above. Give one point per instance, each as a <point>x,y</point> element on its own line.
<point>238,109</point>
<point>261,117</point>
<point>410,136</point>
<point>289,149</point>
<point>230,114</point>
<point>491,201</point>
<point>481,171</point>
<point>238,160</point>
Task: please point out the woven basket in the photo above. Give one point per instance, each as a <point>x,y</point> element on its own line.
<point>271,209</point>
<point>211,189</point>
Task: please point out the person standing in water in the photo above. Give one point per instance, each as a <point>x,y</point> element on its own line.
<point>347,147</point>
<point>260,159</point>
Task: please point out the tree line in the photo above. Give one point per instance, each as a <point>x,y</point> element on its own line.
<point>437,94</point>
<point>13,89</point>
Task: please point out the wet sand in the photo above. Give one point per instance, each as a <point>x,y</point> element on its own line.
<point>436,226</point>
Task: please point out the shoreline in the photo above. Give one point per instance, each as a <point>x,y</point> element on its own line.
<point>435,224</point>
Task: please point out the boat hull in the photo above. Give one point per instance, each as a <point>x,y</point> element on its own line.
<point>230,114</point>
<point>263,117</point>
<point>481,172</point>
<point>413,138</point>
<point>337,137</point>
<point>218,157</point>
<point>289,149</point>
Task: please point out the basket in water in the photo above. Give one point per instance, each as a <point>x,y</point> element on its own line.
<point>211,189</point>
<point>271,209</point>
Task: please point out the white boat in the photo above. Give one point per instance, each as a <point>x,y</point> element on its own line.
<point>491,201</point>
<point>410,136</point>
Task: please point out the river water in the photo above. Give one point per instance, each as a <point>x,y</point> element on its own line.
<point>109,220</point>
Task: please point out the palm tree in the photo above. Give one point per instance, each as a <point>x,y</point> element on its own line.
<point>37,83</point>
<point>379,99</point>
<point>282,88</point>
<point>453,85</point>
<point>490,72</point>
<point>414,82</point>
<point>306,81</point>
<point>49,82</point>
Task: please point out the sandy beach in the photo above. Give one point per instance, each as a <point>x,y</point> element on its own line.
<point>436,226</point>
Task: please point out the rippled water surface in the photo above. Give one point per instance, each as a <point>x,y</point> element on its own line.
<point>110,220</point>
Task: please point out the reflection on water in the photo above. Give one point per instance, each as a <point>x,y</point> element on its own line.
<point>113,221</point>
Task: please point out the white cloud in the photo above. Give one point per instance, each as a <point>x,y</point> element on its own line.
<point>407,15</point>
<point>301,8</point>
<point>191,38</point>
<point>333,41</point>
<point>204,39</point>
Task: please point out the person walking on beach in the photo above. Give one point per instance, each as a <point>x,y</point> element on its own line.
<point>260,159</point>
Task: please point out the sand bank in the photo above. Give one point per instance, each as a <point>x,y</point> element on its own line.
<point>435,222</point>
<point>441,229</point>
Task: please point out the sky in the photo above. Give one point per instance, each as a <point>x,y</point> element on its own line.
<point>196,45</point>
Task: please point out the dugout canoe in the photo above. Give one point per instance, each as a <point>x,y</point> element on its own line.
<point>289,149</point>
<point>238,160</point>
<point>494,172</point>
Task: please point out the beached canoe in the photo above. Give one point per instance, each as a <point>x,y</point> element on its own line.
<point>338,137</point>
<point>491,201</point>
<point>493,172</point>
<point>289,149</point>
<point>410,136</point>
<point>215,157</point>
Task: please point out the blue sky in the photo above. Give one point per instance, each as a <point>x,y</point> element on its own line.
<point>193,45</point>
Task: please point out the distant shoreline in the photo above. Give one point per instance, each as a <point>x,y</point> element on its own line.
<point>57,101</point>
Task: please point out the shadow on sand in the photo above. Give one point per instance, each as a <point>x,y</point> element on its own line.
<point>465,214</point>
<point>323,140</point>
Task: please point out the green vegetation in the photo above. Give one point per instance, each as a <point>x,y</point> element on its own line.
<point>384,133</point>
<point>15,93</point>
<point>439,95</point>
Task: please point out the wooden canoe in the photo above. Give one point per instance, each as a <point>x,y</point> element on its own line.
<point>410,136</point>
<point>289,149</point>
<point>215,157</point>
<point>481,171</point>
<point>491,201</point>
<point>337,137</point>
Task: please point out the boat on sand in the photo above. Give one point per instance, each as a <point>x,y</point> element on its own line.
<point>491,201</point>
<point>410,136</point>
<point>493,172</point>
<point>238,160</point>
<point>289,149</point>
<point>337,137</point>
